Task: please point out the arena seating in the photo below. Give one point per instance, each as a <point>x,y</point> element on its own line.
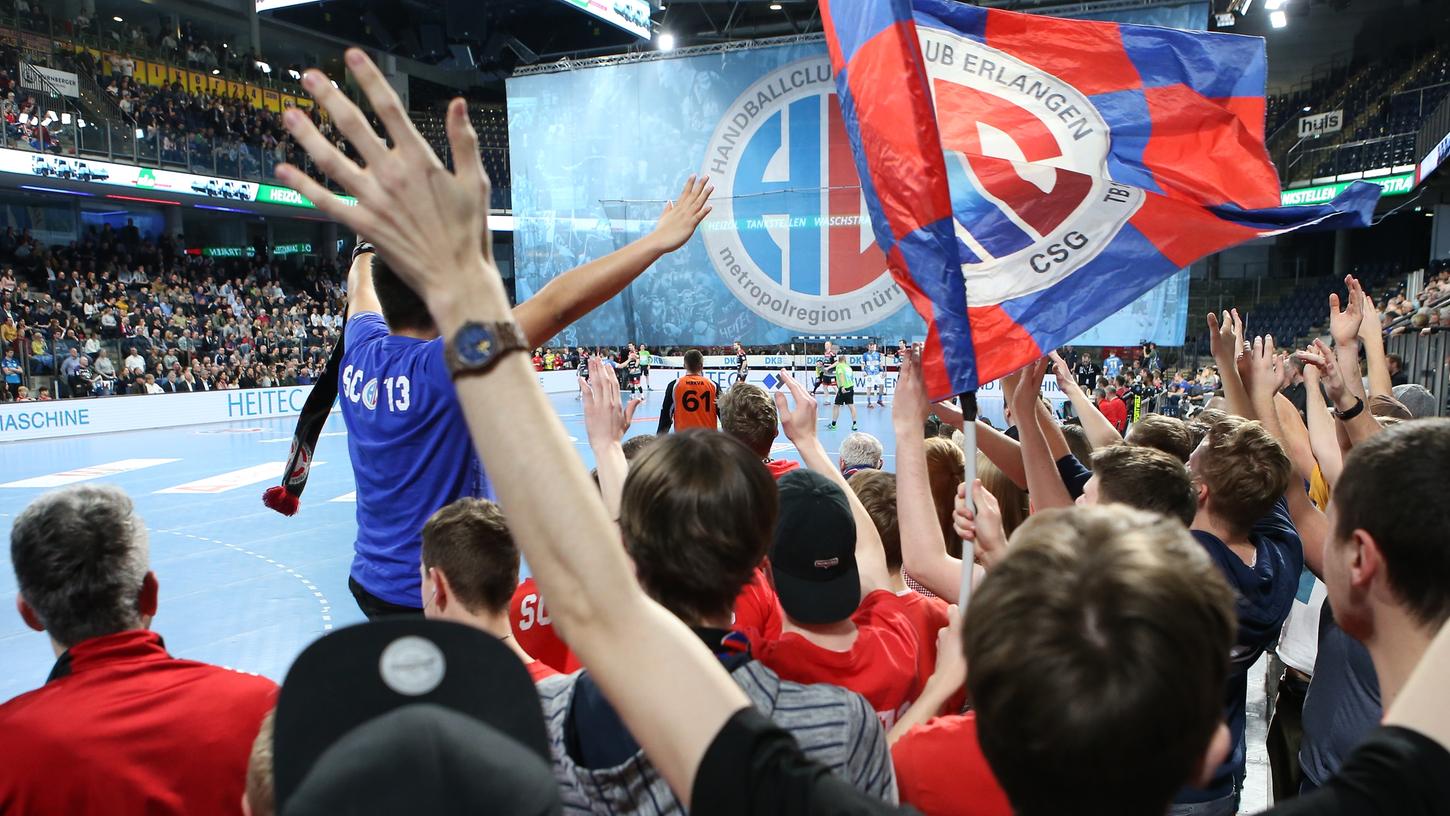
<point>226,323</point>
<point>1383,103</point>
<point>491,122</point>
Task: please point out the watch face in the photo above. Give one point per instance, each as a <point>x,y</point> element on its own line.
<point>473,343</point>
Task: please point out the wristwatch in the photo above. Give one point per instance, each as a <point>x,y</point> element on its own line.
<point>1346,415</point>
<point>477,347</point>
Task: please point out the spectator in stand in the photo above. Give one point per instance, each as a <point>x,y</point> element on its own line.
<point>114,728</point>
<point>707,488</point>
<point>1397,373</point>
<point>1113,408</point>
<point>470,571</point>
<point>748,414</point>
<point>1086,372</point>
<point>13,372</point>
<point>841,623</point>
<point>861,451</point>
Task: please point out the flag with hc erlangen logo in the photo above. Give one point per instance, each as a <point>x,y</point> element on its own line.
<point>1028,176</point>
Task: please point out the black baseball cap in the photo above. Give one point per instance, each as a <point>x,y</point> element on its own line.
<point>411,715</point>
<point>813,555</point>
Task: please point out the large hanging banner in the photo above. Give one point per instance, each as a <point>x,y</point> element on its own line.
<point>788,250</point>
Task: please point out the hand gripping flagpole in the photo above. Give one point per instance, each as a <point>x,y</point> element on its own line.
<point>969,450</point>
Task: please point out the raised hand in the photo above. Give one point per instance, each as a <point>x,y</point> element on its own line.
<point>431,225</point>
<point>1267,370</point>
<point>910,405</point>
<point>605,421</point>
<point>1029,387</point>
<point>1321,357</point>
<point>984,526</point>
<point>799,423</point>
<point>1222,341</point>
<point>1344,323</point>
<point>1371,325</point>
<point>1061,372</point>
<point>951,660</point>
<point>681,216</point>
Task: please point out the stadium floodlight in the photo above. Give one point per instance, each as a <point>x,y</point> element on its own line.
<point>118,19</point>
<point>1278,19</point>
<point>667,41</point>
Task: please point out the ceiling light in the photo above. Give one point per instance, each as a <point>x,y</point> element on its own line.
<point>775,7</point>
<point>667,41</point>
<point>1306,108</point>
<point>118,19</point>
<point>1278,19</point>
<point>216,71</point>
<point>292,72</point>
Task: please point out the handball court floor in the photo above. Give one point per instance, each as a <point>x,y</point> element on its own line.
<point>244,587</point>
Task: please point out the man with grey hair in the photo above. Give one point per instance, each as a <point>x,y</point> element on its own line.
<point>861,451</point>
<point>120,726</point>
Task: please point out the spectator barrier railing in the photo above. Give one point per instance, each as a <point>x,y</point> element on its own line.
<point>1425,357</point>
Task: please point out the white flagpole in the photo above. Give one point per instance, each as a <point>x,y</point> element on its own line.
<point>969,451</point>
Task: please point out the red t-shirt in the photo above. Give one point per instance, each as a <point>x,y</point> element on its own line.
<point>538,670</point>
<point>757,611</point>
<point>1116,412</point>
<point>927,616</point>
<point>940,770</point>
<point>780,467</point>
<point>880,666</point>
<point>124,727</point>
<point>534,629</point>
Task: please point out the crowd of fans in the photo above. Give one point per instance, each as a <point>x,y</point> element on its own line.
<point>1428,310</point>
<point>116,314</point>
<point>710,629</point>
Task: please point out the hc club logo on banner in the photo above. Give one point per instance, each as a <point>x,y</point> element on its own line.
<point>790,236</point>
<point>1027,163</point>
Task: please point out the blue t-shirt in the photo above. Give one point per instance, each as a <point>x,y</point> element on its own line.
<point>411,453</point>
<point>1265,593</point>
<point>1112,366</point>
<point>871,361</point>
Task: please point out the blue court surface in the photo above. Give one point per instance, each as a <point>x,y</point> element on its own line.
<point>241,585</point>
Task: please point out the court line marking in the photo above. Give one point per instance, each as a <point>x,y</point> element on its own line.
<point>233,479</point>
<point>289,439</point>
<point>325,605</point>
<point>84,474</point>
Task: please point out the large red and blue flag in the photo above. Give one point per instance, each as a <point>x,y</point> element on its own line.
<point>1027,176</point>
